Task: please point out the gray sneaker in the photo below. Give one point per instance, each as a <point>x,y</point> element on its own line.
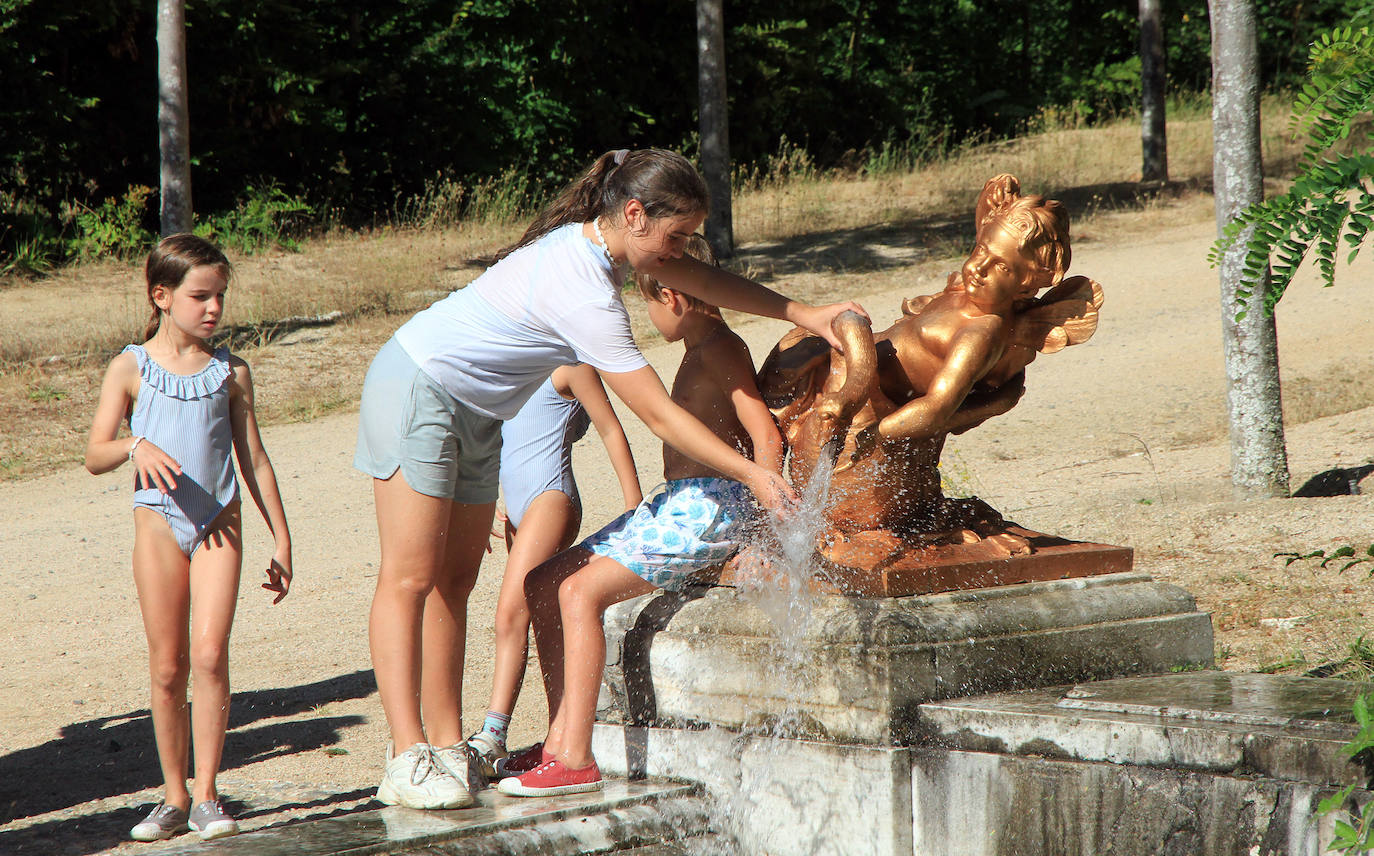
<point>212,821</point>
<point>162,822</point>
<point>487,751</point>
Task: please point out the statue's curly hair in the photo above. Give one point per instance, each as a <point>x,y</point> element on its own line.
<point>1042,225</point>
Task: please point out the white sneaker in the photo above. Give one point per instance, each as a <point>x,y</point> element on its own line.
<point>461,762</point>
<point>488,750</point>
<point>416,779</point>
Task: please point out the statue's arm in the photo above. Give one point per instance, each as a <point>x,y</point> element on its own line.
<point>982,406</point>
<point>929,414</point>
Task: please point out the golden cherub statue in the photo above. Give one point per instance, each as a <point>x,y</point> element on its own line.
<point>952,361</point>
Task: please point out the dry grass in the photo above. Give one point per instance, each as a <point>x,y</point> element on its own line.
<point>814,236</point>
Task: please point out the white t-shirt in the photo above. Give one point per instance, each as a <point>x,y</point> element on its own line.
<point>548,304</point>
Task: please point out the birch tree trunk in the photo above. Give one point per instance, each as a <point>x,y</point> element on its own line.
<point>1154,151</point>
<point>715,125</point>
<point>1259,463</point>
<point>173,121</point>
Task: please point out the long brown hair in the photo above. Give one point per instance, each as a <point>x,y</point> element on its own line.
<point>171,260</point>
<point>664,182</point>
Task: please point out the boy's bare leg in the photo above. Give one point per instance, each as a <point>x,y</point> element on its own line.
<point>541,596</point>
<point>583,598</point>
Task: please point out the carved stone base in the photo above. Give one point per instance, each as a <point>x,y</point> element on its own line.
<point>883,564</point>
<point>860,666</point>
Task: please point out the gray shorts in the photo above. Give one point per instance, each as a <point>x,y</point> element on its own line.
<point>408,422</point>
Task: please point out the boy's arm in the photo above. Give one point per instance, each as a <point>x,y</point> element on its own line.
<point>586,385</point>
<point>733,368</point>
<point>259,477</point>
<point>720,287</point>
<point>645,395</point>
<point>929,414</point>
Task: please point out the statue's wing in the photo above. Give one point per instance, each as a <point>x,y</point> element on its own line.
<point>1065,315</point>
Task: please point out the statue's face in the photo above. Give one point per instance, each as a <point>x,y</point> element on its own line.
<point>997,272</point>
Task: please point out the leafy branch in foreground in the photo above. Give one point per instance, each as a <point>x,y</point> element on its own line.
<point>1343,552</point>
<point>1330,200</point>
<point>1355,833</point>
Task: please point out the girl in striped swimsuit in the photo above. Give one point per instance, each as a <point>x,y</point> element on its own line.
<point>543,514</point>
<point>188,405</point>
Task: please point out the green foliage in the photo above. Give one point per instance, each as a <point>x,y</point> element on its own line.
<point>1330,202</point>
<point>350,105</point>
<point>1354,825</point>
<point>265,217</point>
<point>1346,552</point>
<point>114,229</point>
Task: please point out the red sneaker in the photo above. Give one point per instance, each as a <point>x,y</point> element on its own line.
<point>523,761</point>
<point>551,780</point>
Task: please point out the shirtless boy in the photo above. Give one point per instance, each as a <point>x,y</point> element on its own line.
<point>695,523</point>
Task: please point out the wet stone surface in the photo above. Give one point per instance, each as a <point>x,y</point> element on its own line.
<point>1279,726</point>
<point>400,830</point>
<point>1248,699</point>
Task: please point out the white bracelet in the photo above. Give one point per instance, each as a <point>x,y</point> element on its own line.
<point>132,446</point>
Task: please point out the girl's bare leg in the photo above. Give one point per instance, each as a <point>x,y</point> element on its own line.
<point>413,531</point>
<point>161,575</point>
<point>541,595</point>
<point>215,569</point>
<point>444,636</point>
<point>548,526</point>
<point>583,598</point>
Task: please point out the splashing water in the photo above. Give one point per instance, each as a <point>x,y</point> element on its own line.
<point>776,578</point>
<point>783,561</point>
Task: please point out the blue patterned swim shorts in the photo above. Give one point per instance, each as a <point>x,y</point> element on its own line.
<point>691,525</point>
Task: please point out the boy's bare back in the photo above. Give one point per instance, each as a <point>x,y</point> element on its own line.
<point>715,383</point>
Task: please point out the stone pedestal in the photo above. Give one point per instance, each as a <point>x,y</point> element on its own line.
<point>860,666</point>
<point>1189,763</point>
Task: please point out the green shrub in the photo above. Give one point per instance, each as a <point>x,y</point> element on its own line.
<point>266,216</point>
<point>114,229</point>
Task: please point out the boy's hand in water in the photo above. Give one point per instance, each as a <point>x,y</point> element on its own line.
<point>817,319</point>
<point>774,493</point>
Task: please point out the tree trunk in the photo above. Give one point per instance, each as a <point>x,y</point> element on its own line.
<point>173,121</point>
<point>715,125</point>
<point>1155,153</point>
<point>1259,464</point>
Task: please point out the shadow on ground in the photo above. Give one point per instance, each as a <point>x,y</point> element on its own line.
<point>109,756</point>
<point>911,237</point>
<point>1340,481</point>
<point>947,233</point>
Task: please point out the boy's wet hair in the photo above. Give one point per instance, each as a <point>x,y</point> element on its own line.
<point>696,247</point>
<point>170,261</point>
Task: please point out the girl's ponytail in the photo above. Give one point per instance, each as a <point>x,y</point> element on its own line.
<point>664,182</point>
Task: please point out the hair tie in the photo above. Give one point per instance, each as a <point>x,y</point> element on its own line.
<point>620,156</point>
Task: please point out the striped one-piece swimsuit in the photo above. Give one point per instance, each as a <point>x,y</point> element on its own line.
<point>536,449</point>
<point>187,416</point>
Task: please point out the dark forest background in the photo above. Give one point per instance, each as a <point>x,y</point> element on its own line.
<point>350,106</point>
